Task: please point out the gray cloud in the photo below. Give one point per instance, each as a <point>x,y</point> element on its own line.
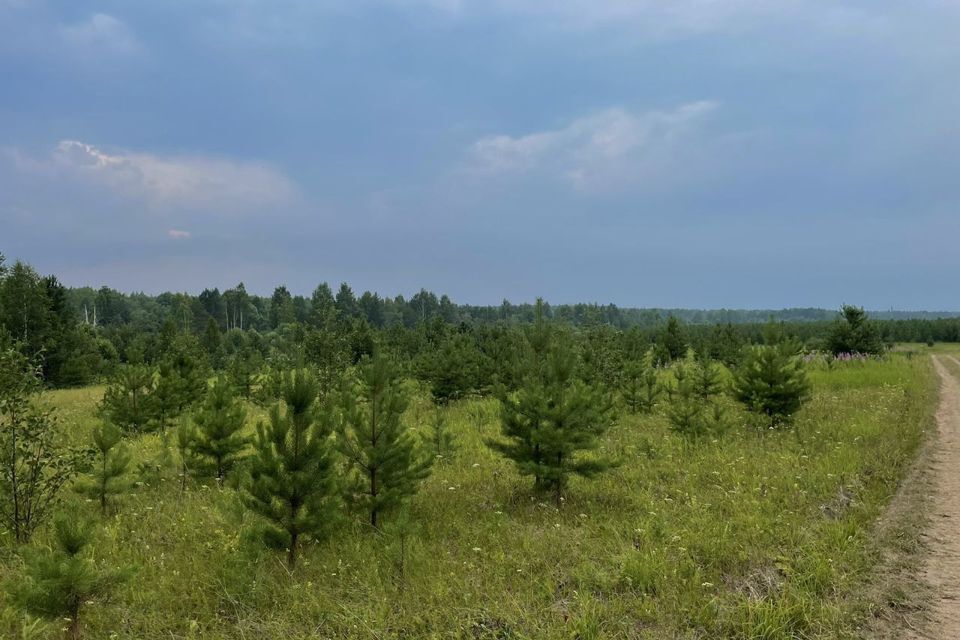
<point>165,182</point>
<point>598,150</point>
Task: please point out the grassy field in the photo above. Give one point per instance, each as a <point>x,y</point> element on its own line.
<point>752,535</point>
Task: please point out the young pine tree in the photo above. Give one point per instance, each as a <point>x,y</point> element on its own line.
<point>165,399</point>
<point>673,344</point>
<point>186,373</point>
<point>292,477</point>
<point>452,369</point>
<point>553,417</point>
<point>639,385</point>
<point>243,370</point>
<point>854,333</point>
<point>186,435</point>
<point>128,401</point>
<point>442,438</point>
<point>385,460</point>
<point>58,582</point>
<point>218,438</point>
<point>694,411</point>
<point>686,415</point>
<point>771,381</point>
<point>706,379</point>
<point>107,476</point>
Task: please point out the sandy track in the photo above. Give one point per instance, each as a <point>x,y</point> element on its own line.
<point>941,570</point>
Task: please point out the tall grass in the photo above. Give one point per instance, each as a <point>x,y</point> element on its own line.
<point>752,535</point>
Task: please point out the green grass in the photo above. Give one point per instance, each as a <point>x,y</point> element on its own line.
<point>752,535</point>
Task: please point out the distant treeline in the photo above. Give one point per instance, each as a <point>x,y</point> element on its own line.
<point>237,308</point>
<point>80,335</point>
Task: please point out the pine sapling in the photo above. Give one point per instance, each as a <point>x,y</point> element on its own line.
<point>58,582</point>
<point>640,387</point>
<point>553,418</point>
<point>771,381</point>
<point>442,438</point>
<point>108,476</point>
<point>707,380</point>
<point>186,435</point>
<point>385,460</point>
<point>128,402</point>
<point>219,423</point>
<point>292,476</point>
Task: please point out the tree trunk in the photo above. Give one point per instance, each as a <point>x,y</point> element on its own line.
<point>292,552</point>
<point>73,628</point>
<point>373,496</point>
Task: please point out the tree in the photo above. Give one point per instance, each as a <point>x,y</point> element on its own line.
<point>213,343</point>
<point>128,400</point>
<point>243,370</point>
<point>600,359</point>
<point>219,422</point>
<point>707,379</point>
<point>25,308</point>
<point>673,344</point>
<point>854,333</point>
<point>346,303</point>
<point>771,381</point>
<point>323,309</point>
<point>385,461</point>
<point>292,476</point>
<point>553,418</point>
<point>640,387</point>
<point>237,307</point>
<point>453,369</point>
<point>57,582</point>
<point>694,411</point>
<point>107,476</point>
<point>726,344</point>
<point>186,372</point>
<point>282,310</point>
<point>328,351</point>
<point>441,437</point>
<point>186,434</point>
<point>164,405</point>
<point>36,311</point>
<point>33,467</point>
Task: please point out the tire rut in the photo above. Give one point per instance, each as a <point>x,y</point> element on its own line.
<point>941,568</point>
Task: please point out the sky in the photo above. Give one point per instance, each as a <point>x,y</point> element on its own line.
<point>691,153</point>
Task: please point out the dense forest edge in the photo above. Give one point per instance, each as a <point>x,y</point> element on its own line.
<point>81,334</point>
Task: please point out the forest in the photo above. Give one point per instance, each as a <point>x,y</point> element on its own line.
<point>231,466</point>
<point>85,334</point>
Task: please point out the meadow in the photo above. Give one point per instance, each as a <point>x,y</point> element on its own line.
<point>752,534</point>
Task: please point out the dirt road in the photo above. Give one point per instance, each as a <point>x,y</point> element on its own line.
<point>941,569</point>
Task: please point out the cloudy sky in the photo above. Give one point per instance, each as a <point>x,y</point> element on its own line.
<point>698,153</point>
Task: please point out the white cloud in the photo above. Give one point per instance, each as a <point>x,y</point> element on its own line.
<point>178,234</point>
<point>101,32</point>
<point>598,149</point>
<point>190,182</point>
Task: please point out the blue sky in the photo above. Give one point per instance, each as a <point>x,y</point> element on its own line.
<point>696,153</point>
